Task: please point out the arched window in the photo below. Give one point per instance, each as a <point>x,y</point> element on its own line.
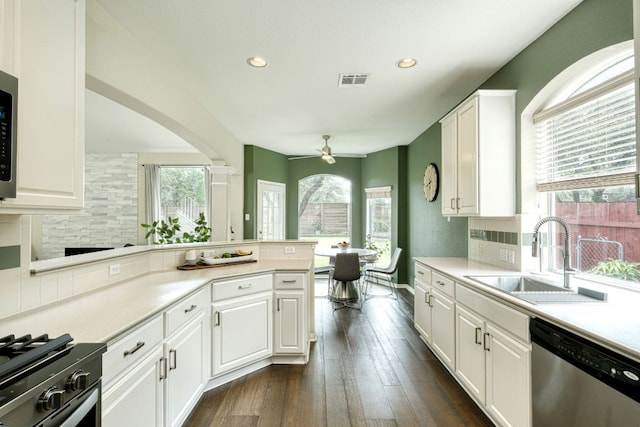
<point>324,209</point>
<point>585,162</point>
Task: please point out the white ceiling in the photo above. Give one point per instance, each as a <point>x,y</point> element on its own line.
<point>287,106</point>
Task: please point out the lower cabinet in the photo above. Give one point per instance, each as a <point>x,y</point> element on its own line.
<point>242,331</point>
<point>154,376</point>
<point>184,370</point>
<point>290,314</point>
<point>288,322</point>
<point>434,313</point>
<point>484,343</point>
<point>493,365</point>
<point>136,399</point>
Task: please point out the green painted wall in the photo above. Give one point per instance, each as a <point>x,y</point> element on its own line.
<point>259,164</point>
<point>593,25</point>
<point>388,167</point>
<point>430,234</point>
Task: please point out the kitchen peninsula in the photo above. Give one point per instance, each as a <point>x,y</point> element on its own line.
<point>179,332</point>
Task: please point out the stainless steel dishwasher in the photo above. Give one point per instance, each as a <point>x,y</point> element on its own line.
<point>576,382</point>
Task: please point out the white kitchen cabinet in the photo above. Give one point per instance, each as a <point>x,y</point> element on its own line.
<point>434,312</point>
<point>43,44</point>
<point>136,399</point>
<point>421,307</point>
<point>155,374</point>
<point>132,392</point>
<point>492,364</point>
<point>508,378</point>
<point>184,365</point>
<point>478,156</point>
<point>289,322</point>
<point>242,322</point>
<point>185,361</point>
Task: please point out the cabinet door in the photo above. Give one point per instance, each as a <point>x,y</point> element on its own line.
<point>470,354</point>
<point>135,400</point>
<point>508,367</point>
<point>49,63</point>
<point>186,368</point>
<point>449,167</point>
<point>289,322</point>
<point>242,331</point>
<point>422,310</point>
<point>468,158</point>
<point>443,318</point>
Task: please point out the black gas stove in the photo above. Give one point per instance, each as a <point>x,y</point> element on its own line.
<point>49,381</point>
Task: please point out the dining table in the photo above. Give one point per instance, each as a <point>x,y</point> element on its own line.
<point>331,252</point>
<point>343,292</point>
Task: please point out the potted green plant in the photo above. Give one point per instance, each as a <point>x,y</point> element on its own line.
<point>617,268</point>
<point>166,232</point>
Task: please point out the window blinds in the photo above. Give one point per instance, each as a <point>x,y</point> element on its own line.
<point>378,192</point>
<point>588,140</point>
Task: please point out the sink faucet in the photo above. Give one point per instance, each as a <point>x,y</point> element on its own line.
<point>567,271</point>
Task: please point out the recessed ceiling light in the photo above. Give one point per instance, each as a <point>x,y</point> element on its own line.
<point>256,61</point>
<point>406,63</point>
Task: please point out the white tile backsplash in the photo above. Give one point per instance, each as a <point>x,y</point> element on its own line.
<point>22,291</point>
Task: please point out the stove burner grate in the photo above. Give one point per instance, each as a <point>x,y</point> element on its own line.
<point>18,354</point>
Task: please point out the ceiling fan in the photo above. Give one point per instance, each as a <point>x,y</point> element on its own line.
<point>326,154</point>
<point>326,151</point>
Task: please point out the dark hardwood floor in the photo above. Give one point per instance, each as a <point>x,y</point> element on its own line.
<point>367,368</point>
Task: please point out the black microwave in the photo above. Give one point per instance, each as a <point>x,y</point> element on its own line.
<point>8,128</point>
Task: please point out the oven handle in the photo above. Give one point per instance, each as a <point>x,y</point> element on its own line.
<point>82,410</point>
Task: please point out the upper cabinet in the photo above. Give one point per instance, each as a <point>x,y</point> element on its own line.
<point>43,45</point>
<point>478,156</point>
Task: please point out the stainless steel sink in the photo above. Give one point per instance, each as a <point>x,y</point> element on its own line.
<point>519,284</point>
<point>538,291</point>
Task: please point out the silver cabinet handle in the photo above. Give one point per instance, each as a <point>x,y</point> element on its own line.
<point>247,286</point>
<point>420,272</point>
<point>190,309</point>
<point>173,361</point>
<point>289,281</point>
<point>163,368</point>
<point>458,203</point>
<point>216,318</point>
<point>440,283</point>
<point>431,297</point>
<point>478,329</point>
<point>278,304</point>
<point>487,336</point>
<point>138,346</point>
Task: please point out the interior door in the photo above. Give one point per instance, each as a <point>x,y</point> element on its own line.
<point>271,208</point>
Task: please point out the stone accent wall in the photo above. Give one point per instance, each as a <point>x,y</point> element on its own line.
<point>110,216</point>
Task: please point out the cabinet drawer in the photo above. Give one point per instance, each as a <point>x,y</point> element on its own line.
<point>128,350</point>
<point>507,318</point>
<point>182,312</point>
<point>289,281</point>
<point>423,273</point>
<point>443,284</point>
<point>239,287</point>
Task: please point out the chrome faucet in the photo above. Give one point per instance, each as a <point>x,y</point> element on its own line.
<point>567,271</point>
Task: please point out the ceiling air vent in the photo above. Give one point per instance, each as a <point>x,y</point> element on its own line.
<point>352,80</point>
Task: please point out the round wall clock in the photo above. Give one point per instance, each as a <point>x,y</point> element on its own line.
<point>431,182</point>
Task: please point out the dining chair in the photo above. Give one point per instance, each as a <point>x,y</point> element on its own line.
<point>384,273</point>
<point>346,277</point>
<point>328,270</point>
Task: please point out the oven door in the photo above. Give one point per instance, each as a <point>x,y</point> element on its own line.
<point>82,411</point>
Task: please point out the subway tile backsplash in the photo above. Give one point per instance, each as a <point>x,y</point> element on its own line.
<point>506,237</point>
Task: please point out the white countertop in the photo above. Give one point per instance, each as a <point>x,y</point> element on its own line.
<point>614,323</point>
<point>103,314</point>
